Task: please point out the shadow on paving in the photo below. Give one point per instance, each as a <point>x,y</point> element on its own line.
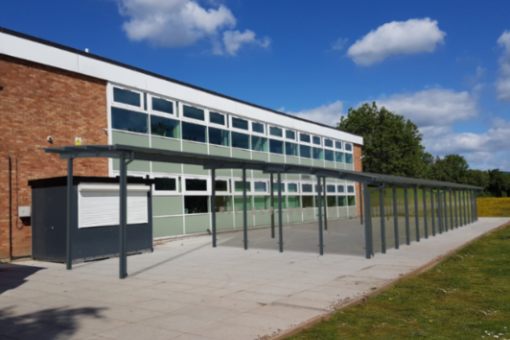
<point>13,275</point>
<point>51,323</point>
<point>344,237</point>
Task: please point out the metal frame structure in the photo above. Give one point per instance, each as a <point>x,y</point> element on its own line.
<point>125,154</point>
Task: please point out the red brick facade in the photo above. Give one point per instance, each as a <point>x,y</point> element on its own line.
<point>37,102</point>
<point>358,167</point>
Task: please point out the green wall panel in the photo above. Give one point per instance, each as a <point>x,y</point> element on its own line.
<point>260,156</point>
<point>167,226</point>
<point>224,221</point>
<point>309,214</point>
<point>167,205</point>
<point>194,147</point>
<point>292,160</point>
<point>306,161</point>
<point>166,143</point>
<point>173,168</point>
<point>239,153</point>
<point>197,223</point>
<point>135,140</point>
<point>219,151</point>
<point>277,158</point>
<point>239,220</point>
<point>189,169</point>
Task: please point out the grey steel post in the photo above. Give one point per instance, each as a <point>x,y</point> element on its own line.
<point>396,233</point>
<point>325,204</point>
<point>433,212</point>
<point>406,208</point>
<point>445,212</point>
<point>475,205</point>
<point>272,204</point>
<point>425,216</point>
<point>213,206</point>
<point>463,204</point>
<point>450,199</point>
<point>383,222</point>
<point>122,217</point>
<point>245,212</point>
<point>416,214</point>
<point>69,215</point>
<point>280,214</point>
<point>456,207</point>
<point>461,211</point>
<point>368,221</point>
<point>439,212</point>
<point>468,207</point>
<point>362,211</point>
<point>319,208</point>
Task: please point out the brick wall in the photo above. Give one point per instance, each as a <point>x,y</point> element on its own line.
<point>358,167</point>
<point>37,102</point>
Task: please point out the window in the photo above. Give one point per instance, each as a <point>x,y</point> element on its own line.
<point>239,123</point>
<point>216,118</point>
<point>289,134</point>
<point>348,146</point>
<point>348,158</point>
<point>307,201</point>
<point>317,153</point>
<point>329,155</point>
<point>239,186</point>
<point>350,188</point>
<point>275,131</point>
<point>342,201</point>
<point>331,200</point>
<point>316,140</point>
<point>339,156</point>
<point>162,105</point>
<point>193,132</point>
<point>328,143</point>
<point>292,187</point>
<point>257,127</point>
<point>129,120</point>
<point>196,184</point>
<point>261,203</point>
<point>294,202</point>
<point>291,149</point>
<point>338,144</point>
<point>275,146</point>
<point>330,188</point>
<point>340,188</point>
<point>240,140</point>
<point>305,151</point>
<point>223,203</point>
<point>351,200</point>
<point>258,143</point>
<point>219,136</point>
<point>304,137</point>
<point>192,112</point>
<point>260,186</point>
<point>221,185</point>
<point>196,204</point>
<point>126,97</point>
<point>164,127</point>
<point>165,184</point>
<point>276,186</point>
<point>307,188</point>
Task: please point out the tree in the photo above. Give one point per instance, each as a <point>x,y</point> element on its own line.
<point>392,144</point>
<point>498,183</point>
<point>450,168</point>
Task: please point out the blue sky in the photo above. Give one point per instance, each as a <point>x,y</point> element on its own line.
<point>444,64</point>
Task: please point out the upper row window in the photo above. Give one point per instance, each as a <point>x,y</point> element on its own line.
<point>275,131</point>
<point>304,138</point>
<point>289,134</point>
<point>257,127</point>
<point>348,146</point>
<point>328,143</point>
<point>316,140</point>
<point>127,97</point>
<point>193,112</point>
<point>239,123</point>
<point>216,118</point>
<point>162,105</point>
<point>338,144</point>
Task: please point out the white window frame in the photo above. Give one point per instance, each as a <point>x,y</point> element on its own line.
<point>193,120</point>
<point>321,141</point>
<point>186,192</point>
<point>348,151</point>
<point>165,192</point>
<point>216,125</point>
<point>341,144</point>
<point>292,192</point>
<point>231,125</point>
<point>334,188</point>
<point>127,106</point>
<point>269,135</point>
<point>154,112</point>
<point>353,189</point>
<point>249,190</point>
<point>328,147</point>
<point>255,133</point>
<point>260,193</point>
<point>222,192</point>
<point>305,193</point>
<point>343,192</point>
<point>305,143</point>
<point>290,139</point>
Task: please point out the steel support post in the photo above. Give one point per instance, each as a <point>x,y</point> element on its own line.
<point>122,217</point>
<point>425,216</point>
<point>213,206</point>
<point>475,205</point>
<point>463,199</point>
<point>468,206</point>
<point>416,214</point>
<point>406,208</point>
<point>280,214</point>
<point>456,207</point>
<point>245,212</point>
<point>69,215</point>
<point>450,199</point>
<point>439,212</point>
<point>368,221</point>
<point>272,204</point>
<point>433,212</point>
<point>325,203</point>
<point>445,212</point>
<point>396,232</point>
<point>319,209</point>
<point>383,222</point>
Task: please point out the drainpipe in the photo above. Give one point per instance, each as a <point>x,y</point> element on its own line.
<point>9,158</point>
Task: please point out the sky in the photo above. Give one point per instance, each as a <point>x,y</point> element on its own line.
<point>443,64</point>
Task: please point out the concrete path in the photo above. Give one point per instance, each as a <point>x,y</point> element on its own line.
<point>187,290</point>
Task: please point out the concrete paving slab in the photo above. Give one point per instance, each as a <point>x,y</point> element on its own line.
<point>186,289</point>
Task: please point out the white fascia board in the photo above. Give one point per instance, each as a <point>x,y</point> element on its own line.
<point>52,56</point>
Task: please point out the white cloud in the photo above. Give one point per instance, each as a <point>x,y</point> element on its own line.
<point>503,82</point>
<point>179,23</point>
<point>233,40</point>
<point>328,114</point>
<point>432,107</point>
<point>395,38</point>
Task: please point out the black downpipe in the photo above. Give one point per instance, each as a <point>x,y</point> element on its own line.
<point>10,207</point>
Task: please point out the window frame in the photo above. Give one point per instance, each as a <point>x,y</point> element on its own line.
<point>186,192</point>
<point>216,125</point>
<point>256,133</point>
<point>193,120</point>
<point>155,112</point>
<point>290,139</point>
<point>235,129</point>
<point>165,192</point>
<point>269,135</point>
<point>124,105</point>
<point>221,192</point>
<point>260,193</point>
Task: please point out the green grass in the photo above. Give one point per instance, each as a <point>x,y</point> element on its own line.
<point>467,296</point>
<point>493,206</point>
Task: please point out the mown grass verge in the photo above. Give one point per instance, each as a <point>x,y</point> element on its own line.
<point>467,296</point>
<point>493,206</point>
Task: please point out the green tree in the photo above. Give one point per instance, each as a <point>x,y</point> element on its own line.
<point>392,144</point>
<point>450,168</point>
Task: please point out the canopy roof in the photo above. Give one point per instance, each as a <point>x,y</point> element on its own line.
<point>222,162</point>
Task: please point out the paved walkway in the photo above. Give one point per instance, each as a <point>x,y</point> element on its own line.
<point>187,290</point>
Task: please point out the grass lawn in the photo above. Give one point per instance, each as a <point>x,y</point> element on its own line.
<point>467,296</point>
<point>493,206</point>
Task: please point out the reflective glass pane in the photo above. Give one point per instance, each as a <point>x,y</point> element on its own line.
<point>193,132</point>
<point>260,186</point>
<point>348,146</point>
<point>292,187</point>
<point>275,146</point>
<point>239,186</point>
<point>129,120</point>
<point>330,188</point>
<point>339,156</point>
<point>165,184</point>
<point>328,143</point>
<point>162,105</point>
<point>258,143</point>
<point>218,136</point>
<point>291,149</point>
<point>164,127</point>
<point>257,127</point>
<point>239,123</point>
<point>216,118</point>
<point>307,201</point>
<point>348,158</point>
<point>316,140</point>
<point>338,144</point>
<point>275,131</point>
<point>196,204</point>
<point>305,151</point>
<point>126,97</point>
<point>193,112</point>
<point>196,185</point>
<point>317,153</point>
<point>329,155</point>
<point>304,137</point>
<point>221,185</point>
<point>289,134</point>
<point>240,140</point>
<point>306,188</point>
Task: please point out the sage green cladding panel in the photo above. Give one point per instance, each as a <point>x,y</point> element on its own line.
<point>292,160</point>
<point>260,156</point>
<point>295,216</point>
<point>262,218</point>
<point>167,226</point>
<point>239,153</point>
<point>194,147</point>
<point>239,219</point>
<point>330,164</point>
<point>219,151</point>
<point>277,158</point>
<point>309,214</point>
<point>134,140</point>
<point>166,143</point>
<point>224,221</point>
<point>306,161</point>
<point>167,205</point>
<point>197,223</point>
<point>189,169</point>
<point>174,168</point>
